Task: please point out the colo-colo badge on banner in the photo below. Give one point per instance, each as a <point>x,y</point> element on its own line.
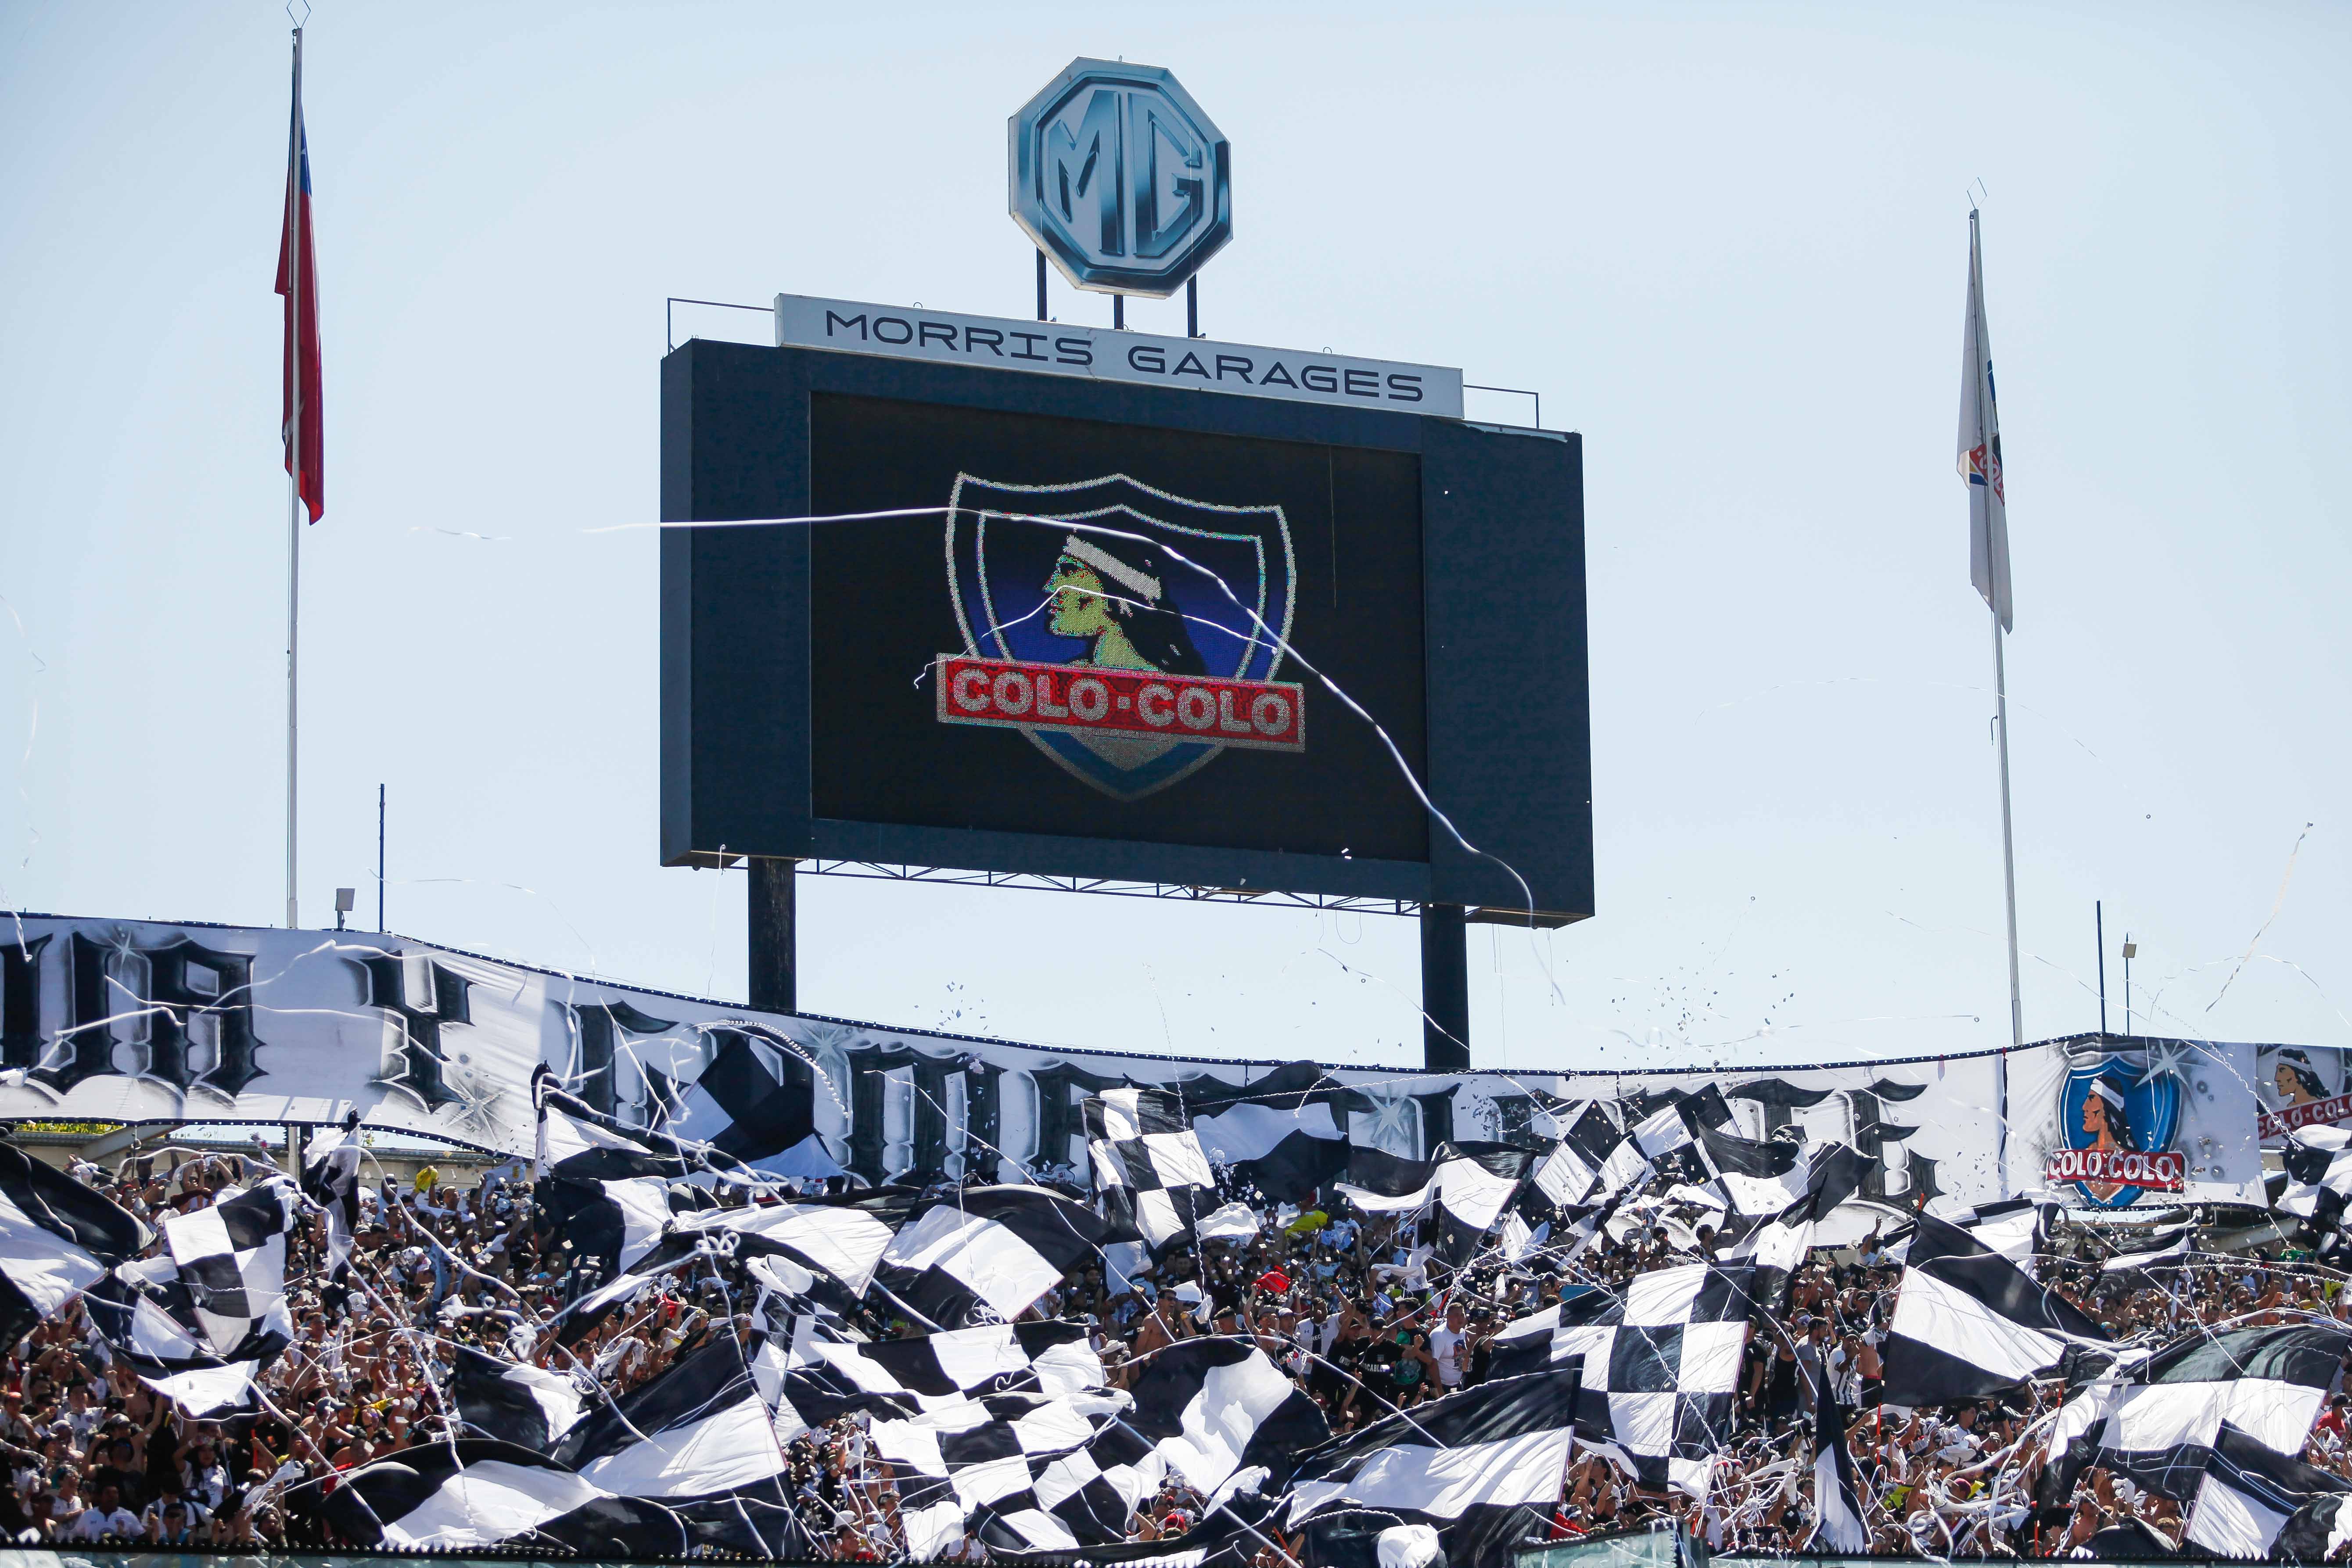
<point>2119,1121</point>
<point>1132,635</point>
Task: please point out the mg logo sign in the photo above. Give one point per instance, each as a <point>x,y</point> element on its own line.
<point>1119,176</point>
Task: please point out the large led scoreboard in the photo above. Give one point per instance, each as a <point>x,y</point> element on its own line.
<point>1076,602</point>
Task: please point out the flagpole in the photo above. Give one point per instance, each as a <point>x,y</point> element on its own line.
<point>2009,885</point>
<point>293,465</point>
<point>1996,590</point>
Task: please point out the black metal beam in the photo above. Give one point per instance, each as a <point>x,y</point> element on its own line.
<point>774,938</point>
<point>1444,988</point>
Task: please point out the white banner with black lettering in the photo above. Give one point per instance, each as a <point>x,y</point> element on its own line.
<point>145,1021</point>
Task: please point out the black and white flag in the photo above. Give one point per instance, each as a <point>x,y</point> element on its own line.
<point>1566,1176</point>
<point>842,1241</point>
<point>1969,1323</point>
<point>1215,1412</point>
<point>513,1402</point>
<point>1228,1537</point>
<point>836,1248</point>
<point>1149,1170</point>
<point>147,1318</point>
<point>1284,1134</point>
<point>1656,1134</point>
<point>232,1258</point>
<point>602,1187</point>
<point>476,1492</point>
<point>1779,1245</point>
<point>2316,1531</point>
<point>1050,1359</point>
<point>331,1178</point>
<point>1481,1467</point>
<point>2249,1492</point>
<point>985,1455</point>
<point>2162,1246</point>
<point>2162,1428</point>
<point>1837,1496</point>
<point>1760,1179</point>
<point>57,1238</point>
<point>1659,1365</point>
<point>1213,1407</point>
<point>2318,1162</point>
<point>1472,1184</point>
<point>2017,1228</point>
<point>705,1439</point>
<point>984,1255</point>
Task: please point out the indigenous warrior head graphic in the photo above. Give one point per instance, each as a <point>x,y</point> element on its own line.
<point>1113,574</point>
<point>2112,1109</point>
<point>1114,596</point>
<point>2296,1082</point>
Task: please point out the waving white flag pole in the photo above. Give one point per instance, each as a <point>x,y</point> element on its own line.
<point>1980,466</point>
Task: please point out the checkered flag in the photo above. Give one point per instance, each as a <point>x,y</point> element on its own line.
<point>984,1455</point>
<point>1045,1359</point>
<point>1149,1167</point>
<point>146,1315</point>
<point>232,1258</point>
<point>984,1255</point>
<point>331,1178</point>
<point>1660,1367</point>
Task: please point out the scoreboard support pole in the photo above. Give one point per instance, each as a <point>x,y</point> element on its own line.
<point>1444,988</point>
<point>774,936</point>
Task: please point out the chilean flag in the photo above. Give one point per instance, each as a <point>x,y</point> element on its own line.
<point>299,425</point>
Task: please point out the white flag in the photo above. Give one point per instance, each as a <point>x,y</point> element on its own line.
<point>1980,461</point>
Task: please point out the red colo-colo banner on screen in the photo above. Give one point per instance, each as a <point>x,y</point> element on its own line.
<point>1269,715</point>
<point>2311,1113</point>
<point>2162,1171</point>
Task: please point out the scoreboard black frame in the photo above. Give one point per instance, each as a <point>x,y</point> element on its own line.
<point>876,688</point>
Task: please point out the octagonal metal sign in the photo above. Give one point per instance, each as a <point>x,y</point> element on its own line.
<point>1119,176</point>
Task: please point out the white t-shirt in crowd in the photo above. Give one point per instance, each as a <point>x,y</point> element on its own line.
<point>1448,1348</point>
<point>94,1522</point>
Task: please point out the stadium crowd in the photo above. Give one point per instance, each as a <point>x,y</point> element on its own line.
<point>1356,1310</point>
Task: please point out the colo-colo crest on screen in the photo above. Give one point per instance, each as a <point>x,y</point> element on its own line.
<point>2120,1120</point>
<point>1132,635</point>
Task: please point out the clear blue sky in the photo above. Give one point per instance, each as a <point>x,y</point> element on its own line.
<point>1727,243</point>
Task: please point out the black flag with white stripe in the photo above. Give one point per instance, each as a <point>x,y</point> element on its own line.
<point>331,1178</point>
<point>1837,1495</point>
<point>602,1188</point>
<point>1481,1467</point>
<point>513,1402</point>
<point>1968,1323</point>
<point>2161,1429</point>
<point>2318,1162</point>
<point>1284,1134</point>
<point>1470,1184</point>
<point>476,1492</point>
<point>57,1238</point>
<point>2248,1494</point>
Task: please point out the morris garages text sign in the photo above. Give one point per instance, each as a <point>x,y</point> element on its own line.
<point>1103,353</point>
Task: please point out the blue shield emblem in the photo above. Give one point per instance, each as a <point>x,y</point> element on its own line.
<point>1111,573</point>
<point>2136,1110</point>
